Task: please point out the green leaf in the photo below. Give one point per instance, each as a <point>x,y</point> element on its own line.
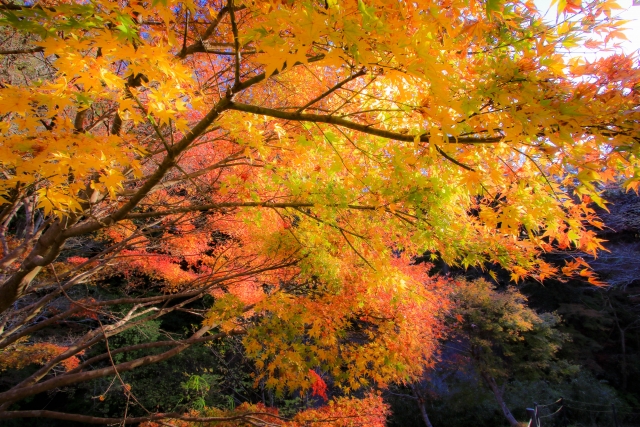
<point>127,29</point>
<point>493,6</point>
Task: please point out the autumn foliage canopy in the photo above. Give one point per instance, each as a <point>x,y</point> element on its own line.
<point>290,158</point>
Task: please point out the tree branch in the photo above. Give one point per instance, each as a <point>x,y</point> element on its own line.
<point>66,380</point>
<point>199,46</point>
<point>22,51</point>
<point>319,118</point>
<point>168,162</point>
<point>146,346</point>
<point>262,76</point>
<point>87,419</point>
<point>362,72</point>
<point>236,44</point>
<point>224,205</point>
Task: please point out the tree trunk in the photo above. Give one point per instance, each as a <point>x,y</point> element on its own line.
<point>423,412</point>
<point>491,382</point>
<point>623,346</point>
<point>623,362</point>
<point>421,404</point>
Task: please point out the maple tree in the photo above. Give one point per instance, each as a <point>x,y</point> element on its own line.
<point>289,158</point>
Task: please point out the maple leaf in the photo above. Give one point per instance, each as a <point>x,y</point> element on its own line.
<point>112,181</point>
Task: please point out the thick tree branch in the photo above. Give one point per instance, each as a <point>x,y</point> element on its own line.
<point>199,46</point>
<point>51,242</point>
<point>46,249</point>
<point>252,417</point>
<point>168,162</point>
<point>22,51</point>
<point>226,205</point>
<point>368,129</point>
